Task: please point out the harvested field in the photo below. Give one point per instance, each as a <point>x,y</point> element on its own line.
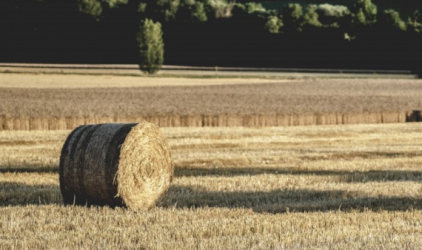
<point>320,187</point>
<point>63,102</point>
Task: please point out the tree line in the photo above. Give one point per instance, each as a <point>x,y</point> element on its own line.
<point>210,33</point>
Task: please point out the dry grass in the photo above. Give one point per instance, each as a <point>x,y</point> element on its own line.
<point>327,187</point>
<point>40,81</point>
<point>118,96</point>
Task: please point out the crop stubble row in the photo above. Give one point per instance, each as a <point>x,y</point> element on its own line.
<point>62,123</point>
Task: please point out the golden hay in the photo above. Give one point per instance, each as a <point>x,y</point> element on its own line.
<point>116,165</point>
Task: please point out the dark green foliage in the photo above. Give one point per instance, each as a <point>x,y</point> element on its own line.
<point>414,24</point>
<point>391,18</point>
<point>221,8</point>
<point>333,15</point>
<point>198,12</point>
<point>311,16</point>
<point>150,46</point>
<point>191,11</point>
<point>274,24</point>
<point>293,17</point>
<point>94,8</point>
<point>142,7</point>
<point>114,3</point>
<point>296,33</point>
<point>169,8</point>
<point>366,13</point>
<point>90,7</point>
<point>254,7</point>
<point>333,10</point>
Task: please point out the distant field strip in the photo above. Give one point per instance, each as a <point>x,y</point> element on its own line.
<point>44,102</point>
<point>205,68</point>
<point>197,71</point>
<point>58,81</point>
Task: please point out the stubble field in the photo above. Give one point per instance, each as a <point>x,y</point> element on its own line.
<point>315,187</point>
<point>319,187</point>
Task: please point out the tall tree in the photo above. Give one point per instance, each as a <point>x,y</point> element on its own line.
<point>150,46</point>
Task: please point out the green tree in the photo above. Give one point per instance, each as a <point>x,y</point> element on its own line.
<point>221,8</point>
<point>293,16</point>
<point>165,10</point>
<point>198,12</point>
<point>333,10</point>
<point>254,7</point>
<point>413,22</point>
<point>114,3</point>
<point>150,46</point>
<point>366,13</point>
<point>273,24</point>
<point>191,11</point>
<point>333,15</point>
<point>391,18</point>
<point>92,8</point>
<point>311,16</point>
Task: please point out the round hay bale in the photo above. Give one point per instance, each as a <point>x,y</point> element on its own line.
<point>116,165</point>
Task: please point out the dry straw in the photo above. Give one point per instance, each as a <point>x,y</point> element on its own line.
<point>116,165</point>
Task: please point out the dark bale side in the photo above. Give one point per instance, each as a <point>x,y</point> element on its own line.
<point>89,162</point>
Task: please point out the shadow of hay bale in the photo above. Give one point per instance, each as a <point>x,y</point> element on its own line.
<point>343,176</point>
<point>29,168</point>
<point>19,194</point>
<point>282,200</point>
